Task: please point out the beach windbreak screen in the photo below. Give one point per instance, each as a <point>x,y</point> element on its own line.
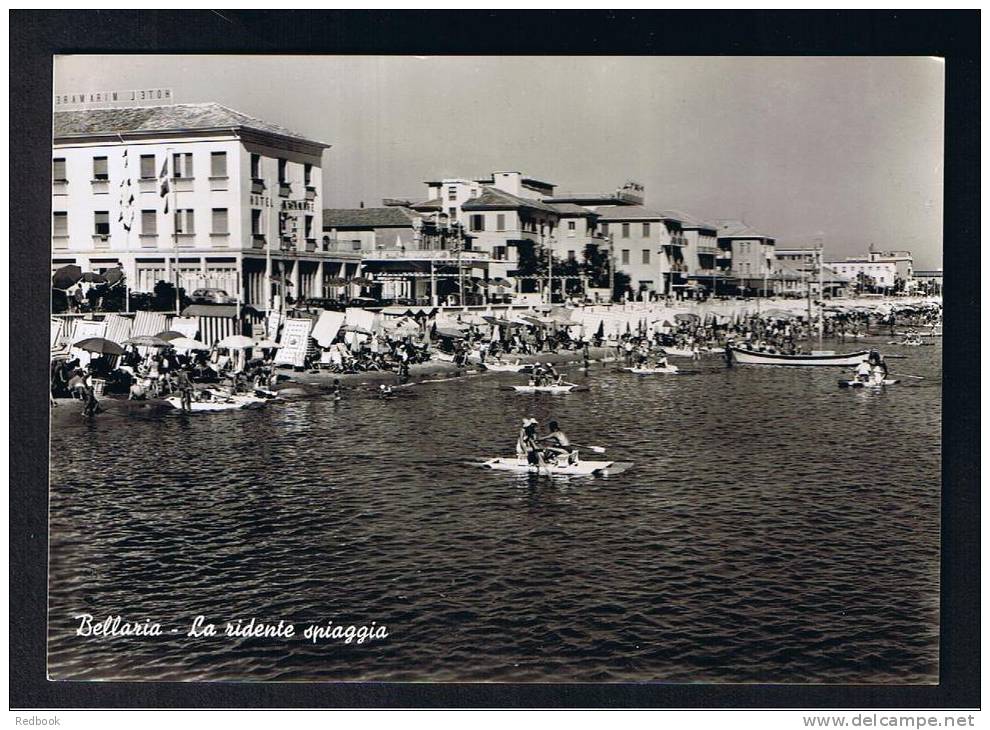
<point>496,369</point>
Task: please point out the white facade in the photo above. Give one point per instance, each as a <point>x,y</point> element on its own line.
<point>241,203</point>
<point>883,273</point>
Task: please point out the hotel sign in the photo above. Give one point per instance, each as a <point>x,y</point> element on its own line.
<point>129,97</point>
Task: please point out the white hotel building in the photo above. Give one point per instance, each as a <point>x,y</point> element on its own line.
<point>244,200</point>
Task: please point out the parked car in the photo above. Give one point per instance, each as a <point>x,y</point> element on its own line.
<point>212,296</point>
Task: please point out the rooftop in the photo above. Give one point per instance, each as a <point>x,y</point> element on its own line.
<point>738,229</point>
<point>387,217</point>
<point>495,199</point>
<point>570,210</point>
<point>689,221</point>
<point>632,212</point>
<point>171,118</point>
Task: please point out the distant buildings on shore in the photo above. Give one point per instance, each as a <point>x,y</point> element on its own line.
<point>203,196</point>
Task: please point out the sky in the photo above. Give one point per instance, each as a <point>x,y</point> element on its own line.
<point>846,151</point>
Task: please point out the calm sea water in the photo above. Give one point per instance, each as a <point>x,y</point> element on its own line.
<point>773,528</point>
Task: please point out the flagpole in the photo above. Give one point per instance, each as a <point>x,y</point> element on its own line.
<point>175,235</point>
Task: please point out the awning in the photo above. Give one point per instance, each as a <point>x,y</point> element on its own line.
<point>405,267</point>
<point>400,311</point>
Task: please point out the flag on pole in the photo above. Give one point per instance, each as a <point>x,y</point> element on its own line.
<point>126,215</point>
<point>163,184</point>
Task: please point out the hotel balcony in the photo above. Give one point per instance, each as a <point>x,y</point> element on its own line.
<point>101,242</point>
<point>284,189</point>
<point>60,187</point>
<point>707,251</point>
<point>310,192</point>
<point>60,243</point>
<point>257,186</point>
<point>101,186</point>
<point>258,241</point>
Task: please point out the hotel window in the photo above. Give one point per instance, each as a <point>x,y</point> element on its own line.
<point>147,167</point>
<point>218,164</point>
<point>500,222</point>
<point>571,226</point>
<point>149,222</point>
<point>281,170</point>
<point>478,222</point>
<point>58,170</point>
<point>571,256</point>
<point>474,192</point>
<point>256,223</point>
<point>100,168</point>
<point>307,174</point>
<point>625,230</point>
<point>453,214</point>
<point>220,221</point>
<point>646,255</point>
<point>185,221</point>
<point>625,257</point>
<point>182,165</point>
<point>255,166</point>
<point>646,233</point>
<point>60,224</point>
<point>452,193</point>
<point>604,229</point>
<point>499,253</point>
<point>101,222</point>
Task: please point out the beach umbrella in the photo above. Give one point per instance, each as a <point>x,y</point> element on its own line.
<point>169,335</point>
<point>686,317</point>
<point>450,333</point>
<point>91,277</point>
<point>336,281</point>
<point>114,276</point>
<point>66,276</point>
<point>361,281</point>
<point>266,344</point>
<point>188,343</point>
<point>99,346</point>
<point>236,342</point>
<point>146,341</point>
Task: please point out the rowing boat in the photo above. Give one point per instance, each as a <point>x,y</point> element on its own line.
<point>861,384</point>
<point>233,404</point>
<point>753,357</point>
<point>565,388</point>
<point>669,370</point>
<point>582,468</point>
<point>498,367</point>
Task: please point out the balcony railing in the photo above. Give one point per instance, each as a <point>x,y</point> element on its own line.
<point>430,254</point>
<point>60,187</point>
<point>101,241</point>
<point>284,189</point>
<point>310,192</point>
<point>258,241</point>
<point>148,240</point>
<point>60,243</point>
<point>101,187</point>
<point>257,186</point>
<point>148,185</point>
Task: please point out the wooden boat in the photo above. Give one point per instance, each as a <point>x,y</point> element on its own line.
<point>861,384</point>
<point>582,468</point>
<point>669,370</point>
<point>220,402</point>
<point>500,367</point>
<point>753,357</point>
<point>563,388</point>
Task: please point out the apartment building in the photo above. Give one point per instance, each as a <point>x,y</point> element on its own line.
<point>195,193</point>
<point>746,256</point>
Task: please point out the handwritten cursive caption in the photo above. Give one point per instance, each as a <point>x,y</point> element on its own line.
<point>115,626</point>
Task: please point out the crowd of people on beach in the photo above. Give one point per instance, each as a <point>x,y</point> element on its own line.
<point>165,371</point>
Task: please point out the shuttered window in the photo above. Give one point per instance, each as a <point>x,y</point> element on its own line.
<point>478,222</point>
<point>100,168</point>
<point>646,230</point>
<point>185,221</point>
<point>60,224</point>
<point>149,222</point>
<point>646,255</point>
<point>220,220</point>
<point>147,167</point>
<point>58,169</point>
<point>182,165</point>
<point>101,223</point>
<point>218,164</point>
<point>500,222</point>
